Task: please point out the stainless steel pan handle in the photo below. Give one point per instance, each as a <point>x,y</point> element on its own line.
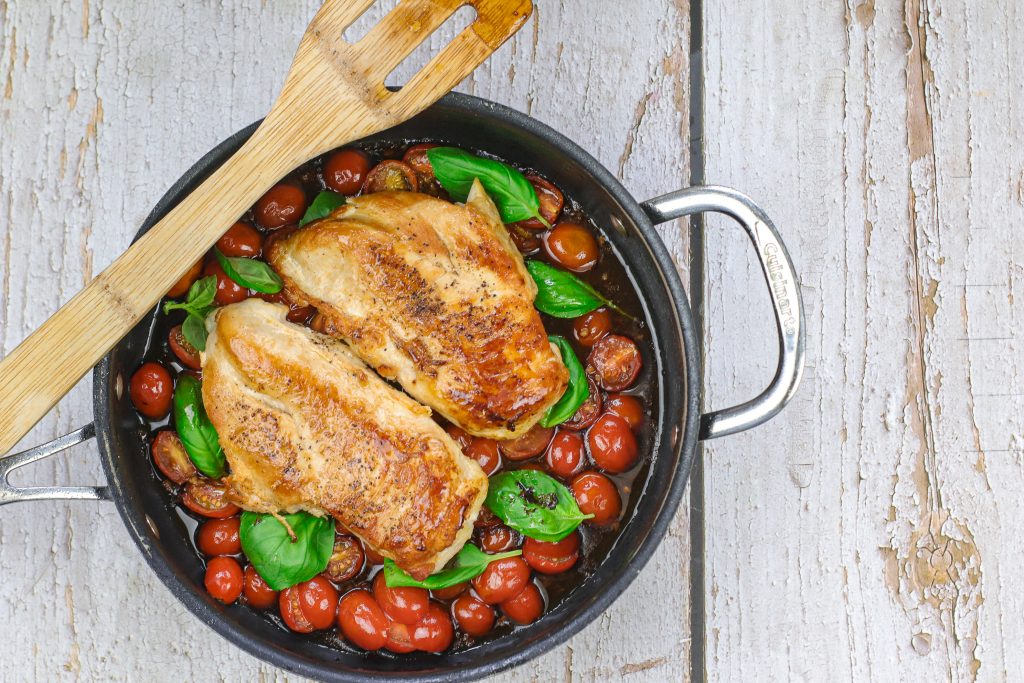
<point>15,494</point>
<point>786,302</point>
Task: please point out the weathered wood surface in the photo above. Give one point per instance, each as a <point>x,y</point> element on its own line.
<point>103,104</point>
<point>871,532</point>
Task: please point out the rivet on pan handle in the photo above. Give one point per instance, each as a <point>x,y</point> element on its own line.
<point>785,295</point>
<point>15,494</point>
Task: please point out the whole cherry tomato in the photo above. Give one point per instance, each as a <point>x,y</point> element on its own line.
<point>596,495</point>
<point>572,246</point>
<point>170,457</point>
<point>499,539</point>
<point>551,201</point>
<point>257,592</point>
<point>459,436</point>
<point>283,204</point>
<point>502,579</point>
<point>404,604</point>
<point>309,606</point>
<point>223,579</point>
<point>589,328</point>
<point>450,592</point>
<point>475,618</point>
<point>399,638</point>
<point>434,632</point>
<point>228,291</point>
<point>182,286</point>
<point>151,389</point>
<point>362,621</point>
<point>565,454</point>
<point>552,557</point>
<point>241,239</point>
<point>612,444</point>
<point>345,170</point>
<point>219,537</point>
<point>485,452</point>
<point>627,407</point>
<point>526,607</point>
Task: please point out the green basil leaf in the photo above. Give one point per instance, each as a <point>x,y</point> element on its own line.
<point>469,562</point>
<point>194,331</point>
<point>534,504</point>
<point>575,394</point>
<point>250,273</point>
<point>195,429</point>
<point>512,193</point>
<point>281,561</point>
<point>322,206</point>
<point>200,296</point>
<point>561,294</point>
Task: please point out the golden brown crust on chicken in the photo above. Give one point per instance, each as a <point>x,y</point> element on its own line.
<point>305,425</point>
<point>433,295</point>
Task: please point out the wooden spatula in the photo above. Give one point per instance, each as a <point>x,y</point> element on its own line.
<point>333,94</point>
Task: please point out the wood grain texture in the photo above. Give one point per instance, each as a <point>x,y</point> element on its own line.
<point>103,104</point>
<point>870,529</point>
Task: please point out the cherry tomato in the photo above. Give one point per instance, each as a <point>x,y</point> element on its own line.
<point>475,618</point>
<point>587,413</point>
<point>310,605</point>
<point>459,436</point>
<point>276,236</point>
<point>345,170</point>
<point>434,632</point>
<point>223,579</point>
<point>228,291</point>
<point>373,558</point>
<point>417,159</point>
<point>181,287</point>
<point>485,452</point>
<point>596,495</point>
<point>151,389</point>
<point>399,638</point>
<point>391,175</point>
<point>346,561</point>
<point>362,621</point>
<point>186,354</point>
<point>572,246</point>
<point>219,537</point>
<point>529,445</point>
<point>551,201</point>
<point>526,241</point>
<point>257,592</point>
<point>283,204</point>
<point>565,454</point>
<point>499,539</point>
<point>614,362</point>
<point>526,607</point>
<point>207,498</point>
<point>589,328</point>
<point>627,407</point>
<point>170,457</point>
<point>486,518</point>
<point>502,579</point>
<point>612,444</point>
<point>552,557</point>
<point>241,239</point>
<point>296,313</point>
<point>450,592</point>
<point>404,604</point>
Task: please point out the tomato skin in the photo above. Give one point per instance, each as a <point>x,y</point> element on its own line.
<point>391,175</point>
<point>223,579</point>
<point>181,287</point>
<point>417,159</point>
<point>362,621</point>
<point>346,561</point>
<point>310,605</point>
<point>612,444</point>
<point>170,457</point>
<point>499,539</point>
<point>405,604</point>
<point>151,389</point>
<point>572,246</point>
<point>283,204</point>
<point>186,354</point>
<point>207,498</point>
<point>485,453</point>
<point>587,413</point>
<point>459,436</point>
<point>228,291</point>
<point>345,170</point>
<point>486,518</point>
<point>257,592</point>
<point>590,328</point>
<point>450,592</point>
<point>565,454</point>
<point>502,580</point>
<point>629,408</point>
<point>434,632</point>
<point>552,557</point>
<point>475,618</point>
<point>399,638</point>
<point>529,445</point>
<point>241,239</point>
<point>219,537</point>
<point>526,241</point>
<point>596,495</point>
<point>614,362</point>
<point>551,202</point>
<point>526,607</point>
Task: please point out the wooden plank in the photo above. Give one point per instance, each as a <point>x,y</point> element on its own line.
<point>867,530</point>
<point>104,103</point>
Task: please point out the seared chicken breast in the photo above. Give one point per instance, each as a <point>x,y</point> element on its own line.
<point>435,296</point>
<point>305,425</point>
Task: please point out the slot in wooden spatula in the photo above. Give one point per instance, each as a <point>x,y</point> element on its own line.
<point>333,94</point>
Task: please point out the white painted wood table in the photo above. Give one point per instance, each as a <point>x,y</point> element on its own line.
<point>860,535</point>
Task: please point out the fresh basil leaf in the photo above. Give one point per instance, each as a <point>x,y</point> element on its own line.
<point>250,273</point>
<point>200,296</point>
<point>322,206</point>
<point>575,394</point>
<point>194,331</point>
<point>469,563</point>
<point>534,504</point>
<point>512,193</point>
<point>561,294</point>
<point>280,560</point>
<point>197,433</point>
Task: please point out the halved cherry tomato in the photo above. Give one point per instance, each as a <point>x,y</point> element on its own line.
<point>552,557</point>
<point>207,498</point>
<point>310,605</point>
<point>587,413</point>
<point>589,328</point>
<point>499,539</point>
<point>459,436</point>
<point>219,537</point>
<point>362,621</point>
<point>181,287</point>
<point>257,592</point>
<point>526,607</point>
<point>182,349</point>
<point>450,592</point>
<point>399,638</point>
<point>346,561</point>
<point>551,201</point>
<point>283,204</point>
<point>476,618</point>
<point>241,239</point>
<point>485,452</point>
<point>614,362</point>
<point>223,579</point>
<point>345,170</point>
<point>417,159</point>
<point>502,579</point>
<point>434,632</point>
<point>612,444</point>
<point>572,246</point>
<point>529,445</point>
<point>391,175</point>
<point>526,241</point>
<point>565,454</point>
<point>228,291</point>
<point>627,407</point>
<point>151,389</point>
<point>404,604</point>
<point>170,457</point>
<point>596,495</point>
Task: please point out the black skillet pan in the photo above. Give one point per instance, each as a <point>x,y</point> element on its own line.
<point>672,357</point>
